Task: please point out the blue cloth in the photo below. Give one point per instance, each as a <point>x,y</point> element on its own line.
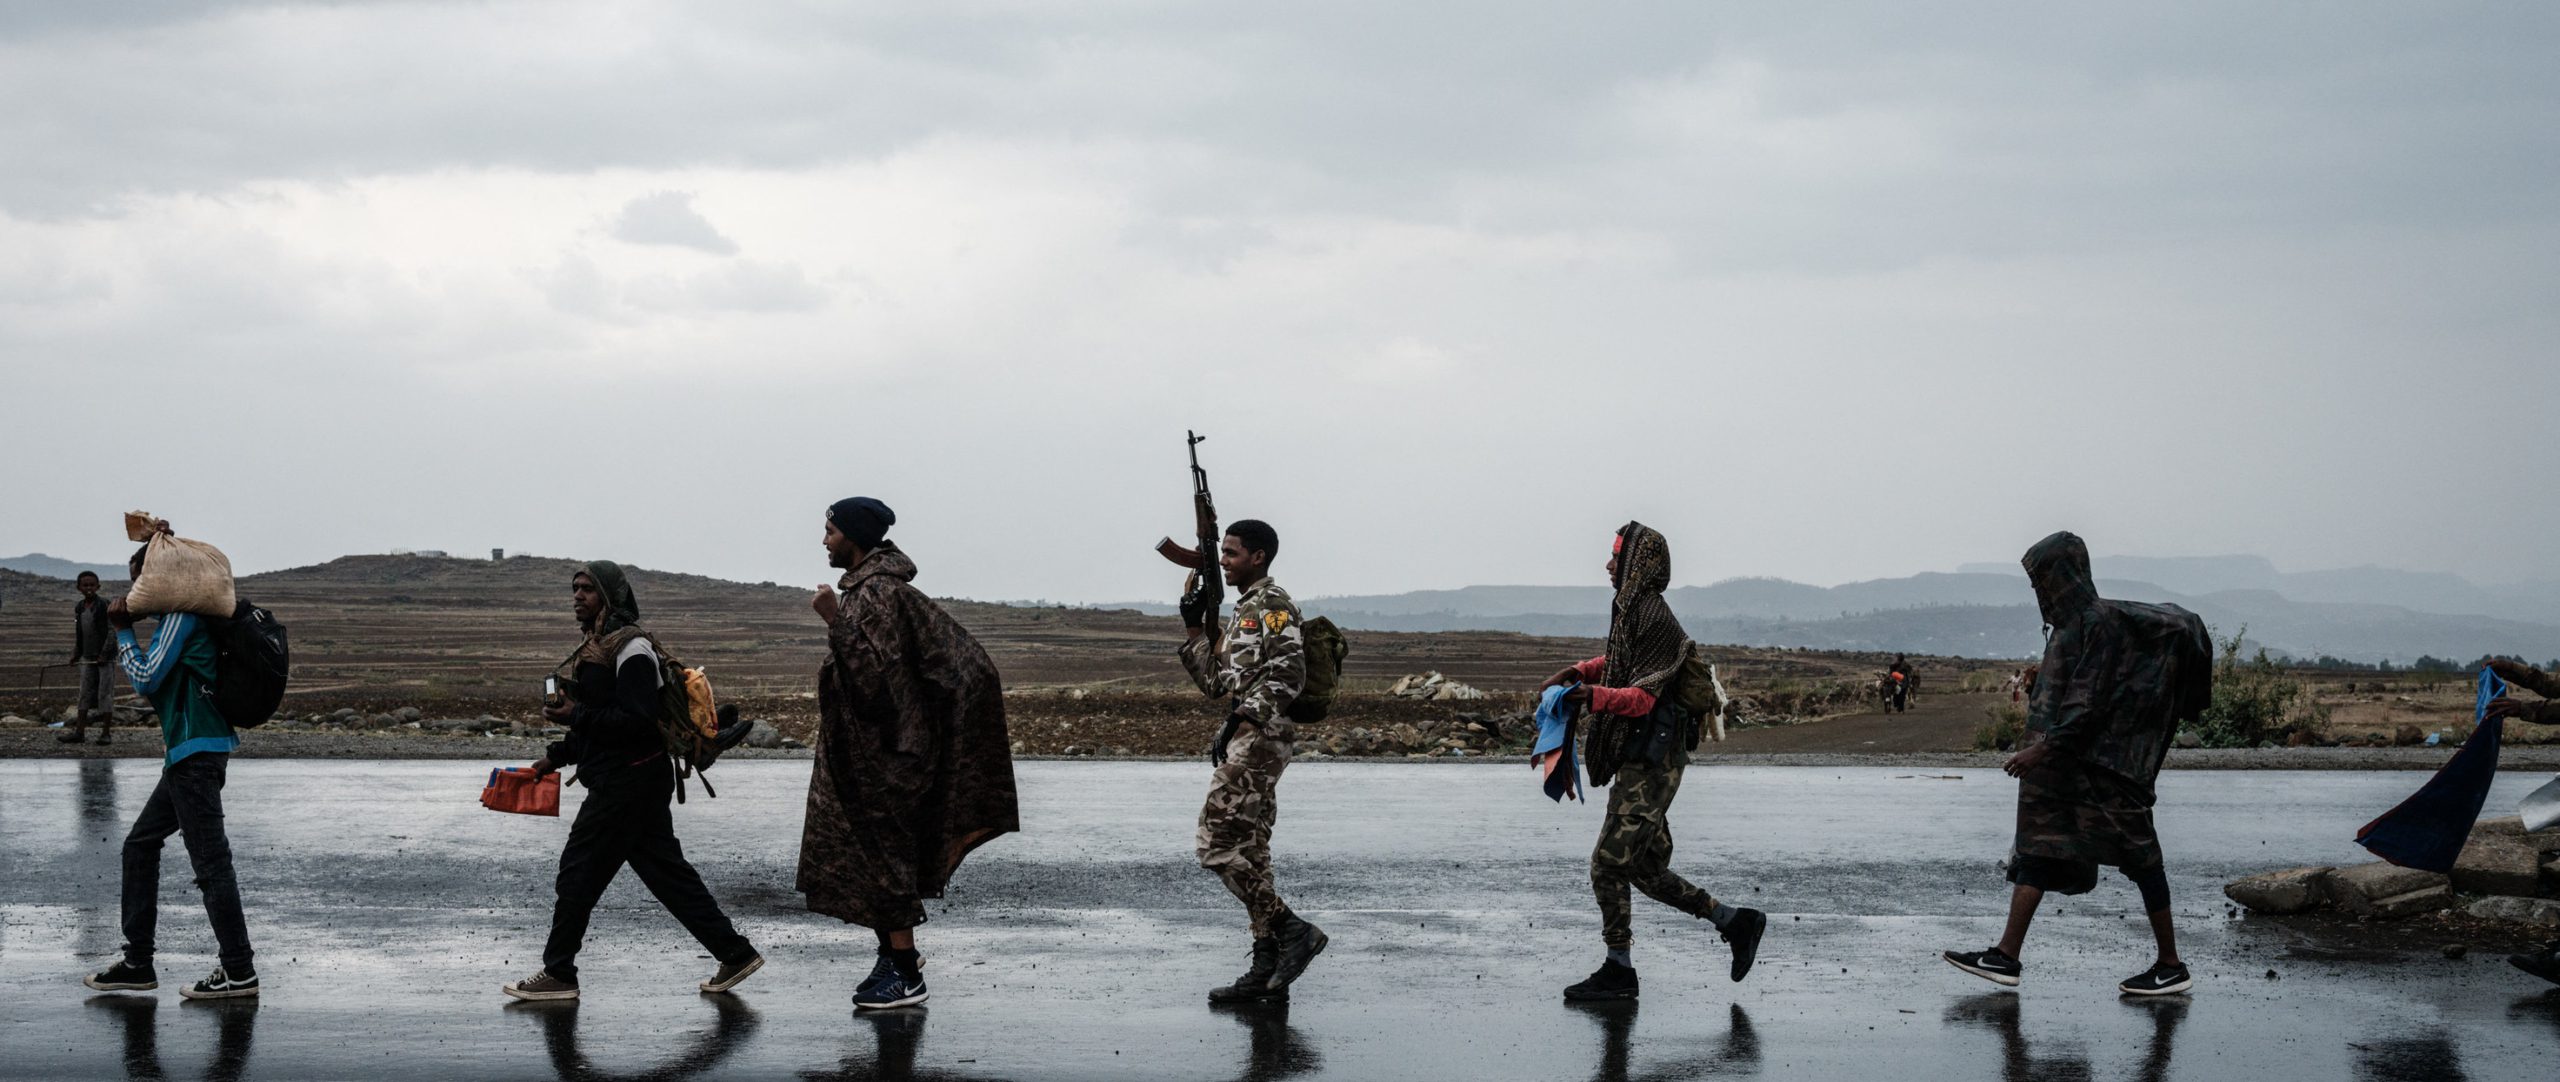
<point>1555,734</point>
<point>2427,831</point>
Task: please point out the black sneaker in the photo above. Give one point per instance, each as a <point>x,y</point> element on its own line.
<point>221,985</point>
<point>1255,985</point>
<point>2159,980</point>
<point>886,988</point>
<point>1743,931</point>
<point>1610,981</point>
<point>1300,942</point>
<point>729,974</point>
<point>2544,963</point>
<point>1990,965</point>
<point>123,977</point>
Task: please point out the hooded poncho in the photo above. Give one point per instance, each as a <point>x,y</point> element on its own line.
<point>2117,676</point>
<point>914,766</point>
<point>1646,643</point>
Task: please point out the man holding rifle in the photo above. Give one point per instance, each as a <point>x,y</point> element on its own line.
<point>1259,663</point>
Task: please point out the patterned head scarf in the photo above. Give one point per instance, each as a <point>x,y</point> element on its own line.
<point>621,609</point>
<point>2059,566</point>
<point>1646,643</point>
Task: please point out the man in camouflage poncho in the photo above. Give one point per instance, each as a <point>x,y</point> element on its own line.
<point>1641,737</point>
<point>914,768</point>
<point>1259,663</point>
<point>2116,680</point>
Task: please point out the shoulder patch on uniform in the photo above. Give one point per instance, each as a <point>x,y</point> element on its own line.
<point>1274,620</point>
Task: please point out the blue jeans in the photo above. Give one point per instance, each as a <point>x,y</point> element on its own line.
<point>187,802</point>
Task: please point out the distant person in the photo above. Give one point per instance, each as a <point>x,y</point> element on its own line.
<point>1899,689</point>
<point>2519,674</point>
<point>609,700</point>
<point>2543,963</point>
<point>89,627</point>
<point>1259,663</point>
<point>2116,680</point>
<point>1640,739</point>
<point>175,671</point>
<point>914,769</point>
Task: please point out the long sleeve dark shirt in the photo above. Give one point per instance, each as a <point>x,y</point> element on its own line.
<point>614,726</point>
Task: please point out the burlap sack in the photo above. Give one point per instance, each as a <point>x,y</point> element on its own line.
<point>179,575</point>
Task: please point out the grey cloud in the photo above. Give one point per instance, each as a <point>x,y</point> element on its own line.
<point>669,218</point>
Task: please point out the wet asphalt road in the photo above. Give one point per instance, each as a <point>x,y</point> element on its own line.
<point>387,907</point>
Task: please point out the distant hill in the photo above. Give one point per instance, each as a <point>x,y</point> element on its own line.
<point>1977,612</point>
<point>2418,591</point>
<point>53,567</point>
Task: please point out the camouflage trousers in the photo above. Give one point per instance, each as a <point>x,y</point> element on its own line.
<point>1635,851</point>
<point>1235,823</point>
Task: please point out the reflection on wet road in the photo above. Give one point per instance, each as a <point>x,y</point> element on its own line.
<point>388,907</point>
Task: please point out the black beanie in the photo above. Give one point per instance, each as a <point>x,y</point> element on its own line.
<point>863,519</point>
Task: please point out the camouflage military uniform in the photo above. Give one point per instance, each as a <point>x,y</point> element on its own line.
<point>1259,661</point>
<point>1635,851</point>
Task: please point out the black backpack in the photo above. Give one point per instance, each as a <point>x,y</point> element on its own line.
<point>250,659</point>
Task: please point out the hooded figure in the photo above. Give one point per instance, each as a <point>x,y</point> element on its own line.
<point>914,767</point>
<point>2116,679</point>
<point>1646,642</point>
<point>2117,676</point>
<point>1637,747</point>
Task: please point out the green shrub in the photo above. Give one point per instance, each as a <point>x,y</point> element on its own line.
<point>2008,722</point>
<point>2254,701</point>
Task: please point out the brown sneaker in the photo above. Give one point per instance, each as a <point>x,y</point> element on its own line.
<point>730,974</point>
<point>541,987</point>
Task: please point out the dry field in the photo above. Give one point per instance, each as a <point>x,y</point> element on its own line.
<point>465,638</point>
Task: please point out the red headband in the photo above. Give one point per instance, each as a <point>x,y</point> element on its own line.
<point>1617,544</point>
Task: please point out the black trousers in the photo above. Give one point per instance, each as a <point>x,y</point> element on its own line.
<point>187,802</point>
<point>627,818</point>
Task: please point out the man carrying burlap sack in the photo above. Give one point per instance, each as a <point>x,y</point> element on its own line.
<point>175,671</point>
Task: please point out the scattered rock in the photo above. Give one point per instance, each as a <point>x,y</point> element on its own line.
<point>764,735</point>
<point>13,721</point>
<point>407,714</point>
<point>1433,687</point>
<point>2388,890</point>
<point>2188,739</point>
<point>2455,951</point>
<point>2408,736</point>
<point>2545,842</point>
<point>789,744</point>
<point>2294,890</point>
<point>2542,911</point>
<point>2492,864</point>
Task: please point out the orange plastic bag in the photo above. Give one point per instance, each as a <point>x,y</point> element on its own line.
<point>515,789</point>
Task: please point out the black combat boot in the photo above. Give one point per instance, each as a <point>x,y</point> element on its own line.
<point>1255,985</point>
<point>1300,942</point>
<point>1610,981</point>
<point>1743,931</point>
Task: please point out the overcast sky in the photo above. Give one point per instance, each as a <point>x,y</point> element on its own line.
<point>1457,288</point>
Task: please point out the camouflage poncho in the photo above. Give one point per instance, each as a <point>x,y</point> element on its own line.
<point>914,768</point>
<point>2118,676</point>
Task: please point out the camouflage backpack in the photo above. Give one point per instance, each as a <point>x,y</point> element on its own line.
<point>1325,650</point>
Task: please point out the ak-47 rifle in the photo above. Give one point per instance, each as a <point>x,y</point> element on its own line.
<point>1206,587</point>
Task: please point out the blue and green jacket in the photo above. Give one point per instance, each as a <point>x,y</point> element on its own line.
<point>175,671</point>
